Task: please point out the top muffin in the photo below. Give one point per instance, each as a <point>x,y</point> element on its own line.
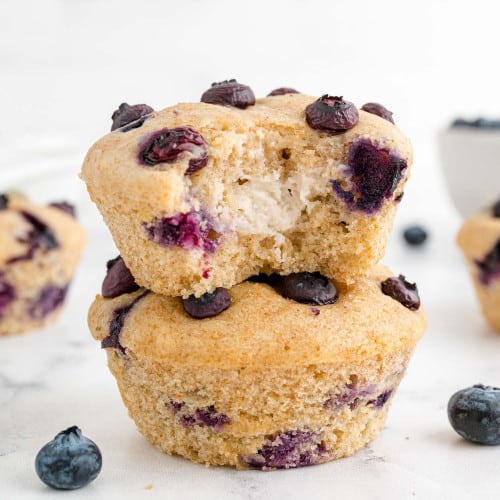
<point>203,195</point>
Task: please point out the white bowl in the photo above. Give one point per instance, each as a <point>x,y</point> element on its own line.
<point>470,159</point>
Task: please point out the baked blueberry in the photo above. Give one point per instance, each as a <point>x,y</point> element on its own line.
<point>332,114</point>
<point>69,461</point>
<point>283,91</point>
<point>377,109</point>
<point>4,201</point>
<point>65,207</point>
<point>474,413</point>
<point>7,294</point>
<point>307,288</point>
<point>207,305</point>
<point>415,235</point>
<point>401,290</point>
<point>229,93</point>
<point>168,145</point>
<point>495,210</point>
<point>126,114</point>
<point>489,266</point>
<point>49,299</point>
<point>118,280</point>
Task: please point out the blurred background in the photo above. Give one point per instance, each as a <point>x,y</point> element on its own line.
<point>65,65</point>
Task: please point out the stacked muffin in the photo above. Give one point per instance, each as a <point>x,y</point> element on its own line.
<point>247,321</point>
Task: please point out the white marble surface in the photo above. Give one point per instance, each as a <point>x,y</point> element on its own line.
<point>65,67</point>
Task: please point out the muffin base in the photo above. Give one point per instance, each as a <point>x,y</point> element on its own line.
<point>262,418</point>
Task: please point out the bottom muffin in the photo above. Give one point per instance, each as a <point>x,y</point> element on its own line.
<point>268,383</point>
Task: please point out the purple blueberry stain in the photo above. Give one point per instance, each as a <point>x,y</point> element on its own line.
<point>171,145</point>
<point>65,207</point>
<point>374,174</point>
<point>39,237</point>
<point>116,324</point>
<point>50,298</point>
<point>191,230</point>
<point>401,290</point>
<point>118,279</point>
<point>489,266</point>
<point>7,294</point>
<point>132,116</point>
<point>207,416</point>
<point>332,114</point>
<point>282,91</point>
<point>315,311</point>
<point>288,450</point>
<point>380,401</point>
<point>377,109</point>
<point>207,305</point>
<point>229,93</point>
<point>351,396</point>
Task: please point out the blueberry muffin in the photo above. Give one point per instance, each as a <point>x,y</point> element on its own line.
<point>203,195</point>
<point>276,372</point>
<point>479,239</point>
<point>40,249</point>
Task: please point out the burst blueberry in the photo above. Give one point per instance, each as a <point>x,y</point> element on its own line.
<point>415,235</point>
<point>171,145</point>
<point>208,305</point>
<point>118,280</point>
<point>332,114</point>
<point>126,114</point>
<point>65,207</point>
<point>474,413</point>
<point>404,292</point>
<point>489,265</point>
<point>50,298</point>
<point>307,288</point>
<point>377,109</point>
<point>229,93</point>
<point>68,462</point>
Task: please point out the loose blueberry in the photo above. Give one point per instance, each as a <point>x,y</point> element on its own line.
<point>191,230</point>
<point>65,207</point>
<point>69,461</point>
<point>474,413</point>
<point>288,450</point>
<point>171,145</point>
<point>377,109</point>
<point>375,174</point>
<point>4,201</point>
<point>482,123</point>
<point>401,290</point>
<point>116,325</point>
<point>489,267</point>
<point>229,93</point>
<point>49,299</point>
<point>208,305</point>
<point>307,288</point>
<point>495,210</point>
<point>415,235</point>
<point>7,294</point>
<point>283,91</point>
<point>118,280</point>
<point>332,114</point>
<point>126,114</point>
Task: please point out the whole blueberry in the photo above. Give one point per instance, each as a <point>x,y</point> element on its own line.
<point>208,305</point>
<point>495,210</point>
<point>332,114</point>
<point>229,93</point>
<point>474,413</point>
<point>126,114</point>
<point>307,288</point>
<point>377,109</point>
<point>282,91</point>
<point>69,461</point>
<point>415,235</point>
<point>118,280</point>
